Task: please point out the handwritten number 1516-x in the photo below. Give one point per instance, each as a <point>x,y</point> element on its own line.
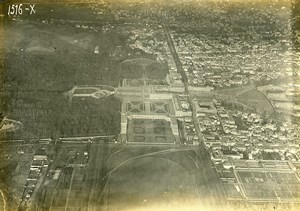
<point>17,9</point>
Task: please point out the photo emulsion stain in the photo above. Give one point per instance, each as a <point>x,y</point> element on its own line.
<point>149,105</point>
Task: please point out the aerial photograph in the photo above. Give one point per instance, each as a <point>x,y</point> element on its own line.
<point>149,105</point>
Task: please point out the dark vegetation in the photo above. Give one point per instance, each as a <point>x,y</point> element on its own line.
<point>35,83</point>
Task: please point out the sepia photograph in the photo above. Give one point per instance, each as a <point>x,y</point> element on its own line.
<point>149,105</point>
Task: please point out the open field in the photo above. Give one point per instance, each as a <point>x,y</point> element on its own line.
<point>248,97</point>
<point>236,90</point>
<point>168,184</point>
<point>205,191</point>
<point>115,177</point>
<point>257,100</point>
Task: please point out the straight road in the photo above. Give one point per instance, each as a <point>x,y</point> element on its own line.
<point>96,170</point>
<point>177,60</point>
<point>210,187</point>
<point>85,192</point>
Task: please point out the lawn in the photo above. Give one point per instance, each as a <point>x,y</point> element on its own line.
<point>256,99</point>
<point>147,181</point>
